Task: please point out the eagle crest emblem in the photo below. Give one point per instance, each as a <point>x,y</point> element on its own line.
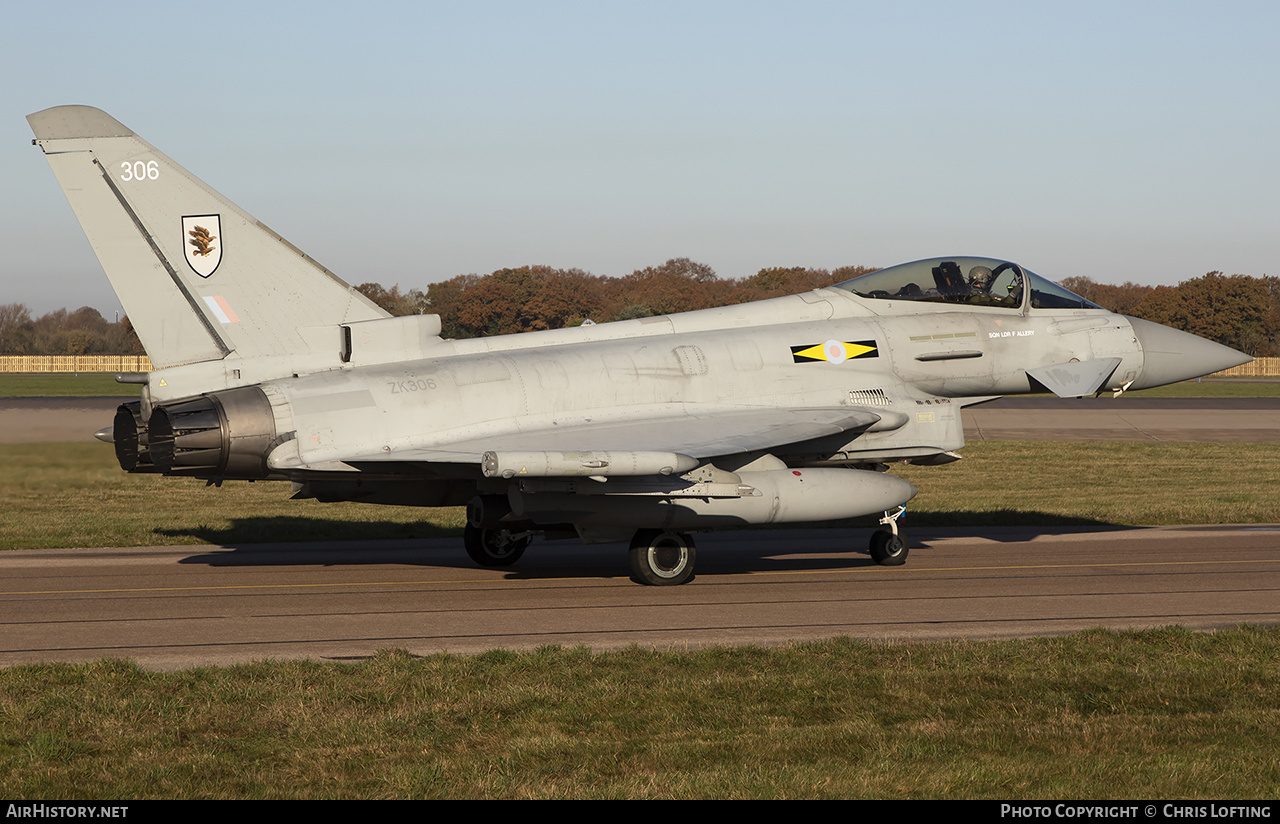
<point>202,245</point>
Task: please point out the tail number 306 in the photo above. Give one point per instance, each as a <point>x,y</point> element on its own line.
<point>137,170</point>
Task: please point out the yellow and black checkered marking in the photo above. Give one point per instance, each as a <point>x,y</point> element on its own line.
<point>821,352</point>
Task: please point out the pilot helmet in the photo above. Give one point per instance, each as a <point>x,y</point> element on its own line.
<point>980,277</point>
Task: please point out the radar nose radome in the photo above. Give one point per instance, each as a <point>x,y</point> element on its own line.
<point>1170,355</point>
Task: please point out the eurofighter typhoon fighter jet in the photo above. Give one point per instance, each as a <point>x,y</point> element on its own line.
<point>268,366</point>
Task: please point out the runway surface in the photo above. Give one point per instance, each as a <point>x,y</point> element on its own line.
<point>177,607</point>
<point>53,420</point>
<point>1247,420</point>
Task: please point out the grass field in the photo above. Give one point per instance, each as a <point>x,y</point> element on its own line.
<point>74,495</point>
<point>1214,388</point>
<point>57,385</point>
<point>1165,714</point>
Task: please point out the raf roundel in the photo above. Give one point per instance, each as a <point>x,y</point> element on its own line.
<point>833,351</point>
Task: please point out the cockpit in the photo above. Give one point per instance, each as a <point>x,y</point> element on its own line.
<point>965,280</point>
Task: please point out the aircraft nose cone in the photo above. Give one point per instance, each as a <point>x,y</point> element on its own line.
<point>1170,356</point>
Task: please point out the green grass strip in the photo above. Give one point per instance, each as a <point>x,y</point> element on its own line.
<point>74,495</point>
<point>1159,714</point>
<point>57,384</point>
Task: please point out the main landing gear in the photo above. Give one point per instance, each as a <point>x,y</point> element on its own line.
<point>494,547</point>
<point>888,548</point>
<point>661,558</point>
<point>658,557</point>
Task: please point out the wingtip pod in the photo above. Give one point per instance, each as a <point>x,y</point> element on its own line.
<point>69,122</point>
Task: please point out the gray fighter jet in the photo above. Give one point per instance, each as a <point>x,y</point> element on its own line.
<point>268,366</point>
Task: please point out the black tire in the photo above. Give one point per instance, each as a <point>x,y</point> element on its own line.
<point>888,549</point>
<point>662,558</point>
<point>494,547</point>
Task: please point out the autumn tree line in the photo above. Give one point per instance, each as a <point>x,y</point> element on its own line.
<point>1237,310</point>
<point>82,332</point>
<point>1240,311</point>
<point>539,297</point>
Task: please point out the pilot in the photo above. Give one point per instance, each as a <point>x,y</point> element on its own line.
<point>980,280</point>
<point>1015,288</point>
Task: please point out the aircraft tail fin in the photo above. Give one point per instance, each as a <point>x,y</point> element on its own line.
<point>199,278</point>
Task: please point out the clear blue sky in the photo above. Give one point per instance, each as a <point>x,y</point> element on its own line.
<point>408,143</point>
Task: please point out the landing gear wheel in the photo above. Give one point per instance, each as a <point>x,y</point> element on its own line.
<point>661,558</point>
<point>494,547</point>
<point>888,549</point>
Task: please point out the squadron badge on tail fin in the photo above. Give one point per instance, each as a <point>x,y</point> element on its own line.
<point>204,251</point>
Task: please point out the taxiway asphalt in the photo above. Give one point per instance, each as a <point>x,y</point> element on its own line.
<point>180,607</point>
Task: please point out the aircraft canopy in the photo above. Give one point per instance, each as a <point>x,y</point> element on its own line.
<point>970,281</point>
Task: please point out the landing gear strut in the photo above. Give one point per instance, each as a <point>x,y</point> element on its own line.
<point>888,548</point>
<point>494,547</point>
<point>661,558</point>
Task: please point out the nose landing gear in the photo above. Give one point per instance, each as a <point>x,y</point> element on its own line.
<point>888,547</point>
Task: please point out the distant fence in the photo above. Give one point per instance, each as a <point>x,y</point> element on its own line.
<point>1260,368</point>
<point>75,363</point>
